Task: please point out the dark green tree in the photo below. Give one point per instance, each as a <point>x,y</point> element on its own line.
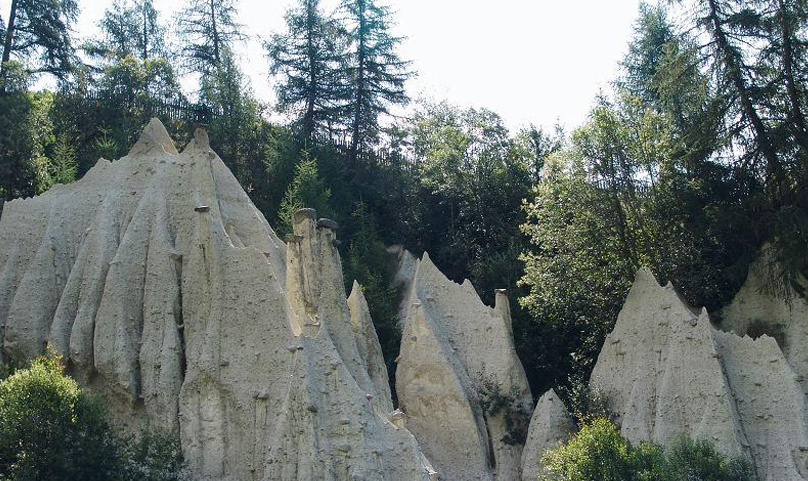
<point>307,57</point>
<point>374,71</point>
<point>37,33</point>
<point>225,91</point>
<point>306,190</point>
<point>130,28</point>
<point>25,132</point>
<point>207,28</point>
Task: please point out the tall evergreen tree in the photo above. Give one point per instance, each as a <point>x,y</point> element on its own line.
<point>37,34</point>
<point>308,59</point>
<point>375,72</point>
<point>225,90</point>
<point>208,27</point>
<point>130,28</point>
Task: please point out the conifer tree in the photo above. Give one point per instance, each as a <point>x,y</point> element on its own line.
<point>306,190</point>
<point>308,58</point>
<point>375,73</point>
<point>208,27</point>
<point>130,28</point>
<point>37,33</point>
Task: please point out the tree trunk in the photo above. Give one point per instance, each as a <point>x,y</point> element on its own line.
<point>788,70</point>
<point>12,17</point>
<point>773,165</point>
<point>311,94</point>
<point>145,52</point>
<point>360,83</point>
<point>216,54</point>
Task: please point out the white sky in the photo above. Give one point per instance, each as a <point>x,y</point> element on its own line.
<point>538,61</point>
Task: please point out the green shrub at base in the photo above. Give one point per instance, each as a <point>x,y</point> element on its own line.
<point>599,453</point>
<point>51,431</point>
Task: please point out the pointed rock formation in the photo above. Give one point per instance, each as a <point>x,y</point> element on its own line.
<point>779,311</point>
<point>550,426</point>
<point>459,381</point>
<point>169,294</point>
<point>668,373</point>
<point>368,344</point>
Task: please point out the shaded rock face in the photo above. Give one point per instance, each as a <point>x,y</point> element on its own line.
<point>550,426</point>
<point>667,373</point>
<point>169,294</point>
<point>782,314</point>
<point>459,382</point>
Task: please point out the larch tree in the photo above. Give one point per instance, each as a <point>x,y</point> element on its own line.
<point>375,73</point>
<point>208,27</point>
<point>308,59</point>
<point>130,28</point>
<point>37,34</point>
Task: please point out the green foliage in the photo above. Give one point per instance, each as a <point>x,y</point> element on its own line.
<point>308,56</point>
<point>496,403</point>
<point>26,144</point>
<point>49,431</point>
<point>577,269</point>
<point>154,456</point>
<point>376,74</point>
<point>306,190</point>
<point>52,431</point>
<point>62,166</point>
<point>130,28</point>
<point>368,263</point>
<point>207,29</point>
<point>235,134</point>
<point>37,35</point>
<point>599,453</point>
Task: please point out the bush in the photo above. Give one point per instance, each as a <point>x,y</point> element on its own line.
<point>51,431</point>
<point>690,460</point>
<point>156,456</point>
<point>599,453</point>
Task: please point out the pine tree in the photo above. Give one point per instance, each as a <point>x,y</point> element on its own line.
<point>37,34</point>
<point>308,58</point>
<point>226,90</point>
<point>375,72</point>
<point>306,190</point>
<point>130,28</point>
<point>208,27</point>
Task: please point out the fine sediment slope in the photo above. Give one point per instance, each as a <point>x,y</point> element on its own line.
<point>458,379</point>
<point>667,372</point>
<point>167,293</point>
<point>550,426</point>
<point>777,310</point>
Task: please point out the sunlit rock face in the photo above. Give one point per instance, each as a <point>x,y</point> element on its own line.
<point>167,293</point>
<point>550,426</point>
<point>667,372</point>
<point>459,382</point>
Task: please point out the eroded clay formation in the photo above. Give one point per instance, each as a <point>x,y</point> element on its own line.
<point>169,294</point>
<point>460,385</point>
<point>667,372</point>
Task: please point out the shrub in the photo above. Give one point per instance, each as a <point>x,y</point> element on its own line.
<point>156,456</point>
<point>52,431</point>
<point>49,431</point>
<point>599,453</point>
<point>690,460</point>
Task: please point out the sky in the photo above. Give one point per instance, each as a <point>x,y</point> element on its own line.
<point>537,62</point>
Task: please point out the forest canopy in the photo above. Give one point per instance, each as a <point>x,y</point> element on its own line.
<point>693,159</point>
